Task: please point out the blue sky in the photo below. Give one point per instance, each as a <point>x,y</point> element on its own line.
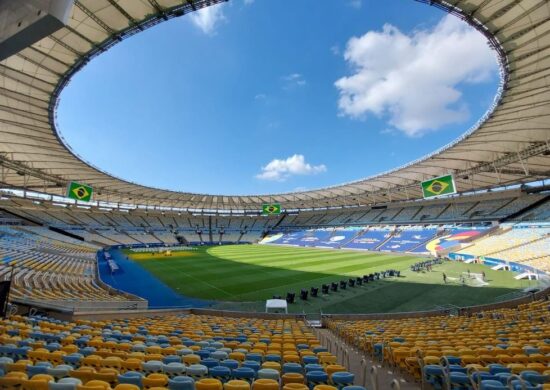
<point>251,97</point>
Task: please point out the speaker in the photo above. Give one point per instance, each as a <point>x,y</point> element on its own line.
<point>351,282</point>
<point>334,286</point>
<point>359,281</point>
<point>314,291</point>
<point>290,297</point>
<point>343,284</point>
<point>325,288</point>
<point>303,295</point>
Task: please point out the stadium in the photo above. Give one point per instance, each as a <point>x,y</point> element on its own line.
<point>431,275</point>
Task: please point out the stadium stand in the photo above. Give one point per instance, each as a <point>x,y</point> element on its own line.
<point>508,237</point>
<point>176,351</point>
<point>472,350</point>
<point>524,243</point>
<point>55,270</point>
<point>408,239</point>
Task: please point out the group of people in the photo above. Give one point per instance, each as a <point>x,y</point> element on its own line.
<point>426,265</point>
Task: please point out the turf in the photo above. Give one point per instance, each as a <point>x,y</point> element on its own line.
<point>242,276</point>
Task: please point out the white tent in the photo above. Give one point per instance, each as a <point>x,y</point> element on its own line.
<point>276,304</point>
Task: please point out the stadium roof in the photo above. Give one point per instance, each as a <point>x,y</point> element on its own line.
<point>509,145</point>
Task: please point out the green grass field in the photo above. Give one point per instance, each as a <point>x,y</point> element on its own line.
<point>241,277</point>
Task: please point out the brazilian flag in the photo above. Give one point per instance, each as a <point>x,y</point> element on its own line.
<point>78,191</point>
<point>443,185</point>
<point>271,209</point>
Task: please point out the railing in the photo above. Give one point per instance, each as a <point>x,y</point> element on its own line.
<point>71,306</point>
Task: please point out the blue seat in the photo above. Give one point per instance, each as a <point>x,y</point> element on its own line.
<point>503,377</point>
<point>479,376</point>
<point>314,378</point>
<point>314,367</point>
<point>254,357</point>
<point>272,358</point>
<point>495,368</point>
<point>203,353</point>
<point>4,361</point>
<point>38,368</point>
<point>171,359</point>
<point>230,363</point>
<point>174,369</point>
<point>218,355</point>
<point>453,359</point>
<point>292,367</point>
<point>221,373</point>
<point>65,384</point>
<point>492,385</point>
<point>152,367</point>
<point>434,375</point>
<point>244,373</point>
<point>53,347</point>
<point>60,371</point>
<point>458,368</point>
<point>268,373</point>
<point>209,362</point>
<point>251,364</point>
<point>534,378</point>
<point>310,360</point>
<point>197,371</point>
<point>87,351</point>
<point>459,380</point>
<point>131,378</point>
<point>342,379</point>
<point>181,383</point>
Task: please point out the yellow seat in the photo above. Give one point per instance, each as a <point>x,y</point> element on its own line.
<point>154,380</point>
<point>295,386</point>
<point>516,368</point>
<point>291,358</point>
<point>94,385</point>
<point>13,380</point>
<point>292,377</point>
<point>332,368</point>
<point>263,384</point>
<point>109,375</point>
<point>131,364</point>
<point>208,384</point>
<point>85,374</point>
<point>272,365</point>
<point>238,356</point>
<point>236,385</point>
<point>38,382</point>
<point>191,359</point>
<point>20,365</point>
<point>126,386</point>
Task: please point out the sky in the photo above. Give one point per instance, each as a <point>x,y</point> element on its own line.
<point>250,97</point>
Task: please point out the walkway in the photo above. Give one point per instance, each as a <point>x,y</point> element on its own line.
<point>385,374</point>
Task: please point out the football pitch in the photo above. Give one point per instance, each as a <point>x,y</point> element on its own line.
<point>242,277</point>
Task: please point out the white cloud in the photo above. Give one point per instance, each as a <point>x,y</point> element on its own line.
<point>260,96</point>
<point>294,80</point>
<point>208,18</point>
<point>248,2</point>
<point>280,170</point>
<point>412,80</point>
<point>335,50</point>
<point>355,3</point>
